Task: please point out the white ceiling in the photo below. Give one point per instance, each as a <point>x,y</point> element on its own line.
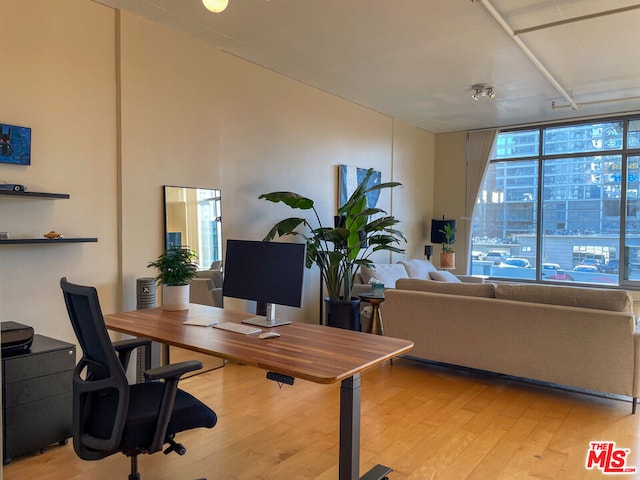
<point>416,60</point>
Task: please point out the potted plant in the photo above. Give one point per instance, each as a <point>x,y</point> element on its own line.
<point>339,251</point>
<point>448,256</point>
<point>176,266</point>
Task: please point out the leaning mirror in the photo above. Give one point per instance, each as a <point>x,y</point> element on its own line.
<point>193,218</point>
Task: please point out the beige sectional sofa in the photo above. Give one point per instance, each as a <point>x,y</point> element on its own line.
<point>579,337</point>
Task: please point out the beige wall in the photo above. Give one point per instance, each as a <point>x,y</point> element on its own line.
<point>413,166</point>
<point>111,126</point>
<point>58,78</point>
<point>170,94</point>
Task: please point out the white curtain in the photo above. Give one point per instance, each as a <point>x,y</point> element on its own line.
<point>479,145</point>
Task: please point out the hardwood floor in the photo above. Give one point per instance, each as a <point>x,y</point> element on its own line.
<point>424,421</point>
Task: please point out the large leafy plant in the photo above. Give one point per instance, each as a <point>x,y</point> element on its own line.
<point>339,251</point>
<point>176,266</point>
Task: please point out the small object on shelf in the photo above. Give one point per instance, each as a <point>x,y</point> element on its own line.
<point>16,187</point>
<point>4,235</point>
<point>53,234</point>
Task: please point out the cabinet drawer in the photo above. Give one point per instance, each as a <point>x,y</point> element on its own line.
<point>23,367</point>
<point>39,388</point>
<point>35,425</point>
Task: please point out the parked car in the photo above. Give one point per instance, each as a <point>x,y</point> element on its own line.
<point>612,266</point>
<point>475,255</point>
<point>12,186</point>
<point>586,268</point>
<point>518,262</point>
<point>497,256</point>
<point>550,267</point>
<point>591,261</point>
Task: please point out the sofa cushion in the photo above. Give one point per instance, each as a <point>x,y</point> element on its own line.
<point>444,276</point>
<point>596,298</point>
<point>486,290</point>
<point>386,273</point>
<point>417,268</point>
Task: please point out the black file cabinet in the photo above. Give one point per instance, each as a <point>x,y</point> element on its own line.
<point>36,397</point>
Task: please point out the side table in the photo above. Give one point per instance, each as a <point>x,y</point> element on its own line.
<point>376,320</point>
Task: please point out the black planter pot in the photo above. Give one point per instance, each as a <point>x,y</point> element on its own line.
<point>343,314</point>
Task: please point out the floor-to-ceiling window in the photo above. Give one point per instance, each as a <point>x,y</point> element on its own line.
<point>560,203</point>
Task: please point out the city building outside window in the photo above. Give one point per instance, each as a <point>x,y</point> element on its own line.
<point>550,207</point>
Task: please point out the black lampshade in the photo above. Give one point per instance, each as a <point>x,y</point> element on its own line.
<point>437,236</point>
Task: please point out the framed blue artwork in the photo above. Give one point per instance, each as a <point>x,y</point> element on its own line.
<point>15,144</point>
<point>350,177</point>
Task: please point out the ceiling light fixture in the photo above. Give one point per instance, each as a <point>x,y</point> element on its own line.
<point>483,90</point>
<point>215,6</point>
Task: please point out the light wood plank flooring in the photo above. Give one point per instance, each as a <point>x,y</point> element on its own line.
<point>424,421</point>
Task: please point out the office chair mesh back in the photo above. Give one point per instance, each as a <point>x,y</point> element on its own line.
<point>95,436</point>
<point>109,415</point>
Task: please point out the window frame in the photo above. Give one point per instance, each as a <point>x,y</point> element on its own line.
<point>623,152</point>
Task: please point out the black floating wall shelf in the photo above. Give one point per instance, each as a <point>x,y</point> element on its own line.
<point>41,241</point>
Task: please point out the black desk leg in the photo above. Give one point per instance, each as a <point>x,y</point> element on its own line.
<point>349,462</point>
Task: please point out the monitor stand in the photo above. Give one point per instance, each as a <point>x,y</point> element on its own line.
<point>269,321</point>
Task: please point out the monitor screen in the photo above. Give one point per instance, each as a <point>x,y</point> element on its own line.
<point>269,272</point>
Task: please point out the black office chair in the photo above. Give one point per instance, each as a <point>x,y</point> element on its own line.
<point>111,416</point>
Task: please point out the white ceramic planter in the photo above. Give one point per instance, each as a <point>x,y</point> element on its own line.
<point>175,297</point>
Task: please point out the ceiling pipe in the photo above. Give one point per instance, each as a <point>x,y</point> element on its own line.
<point>575,19</point>
<point>505,26</point>
<point>597,102</point>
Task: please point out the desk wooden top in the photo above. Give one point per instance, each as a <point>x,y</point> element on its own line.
<point>312,352</point>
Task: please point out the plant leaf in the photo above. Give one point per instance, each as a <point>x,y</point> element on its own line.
<point>291,199</point>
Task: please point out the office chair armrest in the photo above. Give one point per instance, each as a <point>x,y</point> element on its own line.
<point>172,371</point>
<point>125,347</point>
<point>170,374</point>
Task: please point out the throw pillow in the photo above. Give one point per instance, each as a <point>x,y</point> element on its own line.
<point>444,276</point>
<point>387,273</point>
<point>417,268</point>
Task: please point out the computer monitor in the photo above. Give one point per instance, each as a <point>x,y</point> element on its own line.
<point>269,272</point>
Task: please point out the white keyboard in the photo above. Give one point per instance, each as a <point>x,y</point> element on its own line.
<point>237,328</point>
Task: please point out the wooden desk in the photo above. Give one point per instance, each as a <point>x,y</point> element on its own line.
<point>311,352</point>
